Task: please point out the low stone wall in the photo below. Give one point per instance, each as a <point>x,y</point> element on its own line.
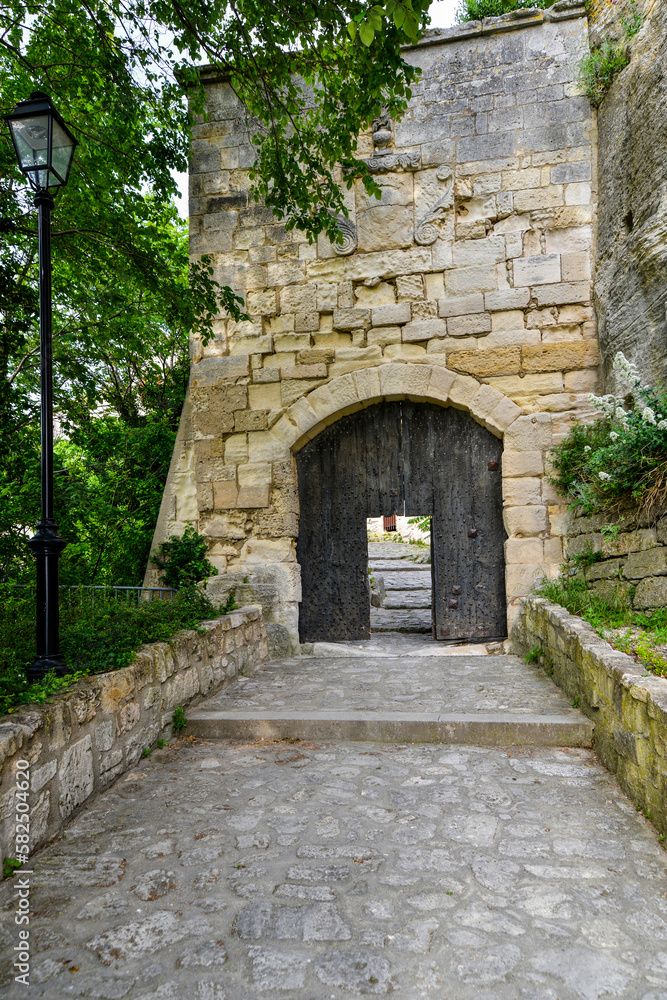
<point>78,744</point>
<point>628,706</point>
<point>632,556</point>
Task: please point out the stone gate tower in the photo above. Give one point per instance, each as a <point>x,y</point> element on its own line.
<point>469,285</point>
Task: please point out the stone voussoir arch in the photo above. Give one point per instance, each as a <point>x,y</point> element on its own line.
<point>345,394</point>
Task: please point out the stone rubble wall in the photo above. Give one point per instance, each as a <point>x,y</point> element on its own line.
<point>628,705</point>
<point>89,735</point>
<point>469,283</point>
<point>633,556</point>
<point>631,269</point>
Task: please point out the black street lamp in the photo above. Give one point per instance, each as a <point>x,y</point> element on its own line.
<point>44,150</point>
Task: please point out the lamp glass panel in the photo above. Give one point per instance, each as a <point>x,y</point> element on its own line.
<point>61,154</point>
<point>31,137</point>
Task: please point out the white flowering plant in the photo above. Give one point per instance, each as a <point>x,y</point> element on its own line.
<point>621,458</point>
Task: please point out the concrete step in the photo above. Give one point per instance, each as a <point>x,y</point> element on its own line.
<point>474,729</point>
<point>401,620</point>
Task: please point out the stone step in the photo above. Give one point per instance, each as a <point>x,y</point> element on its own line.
<point>474,729</point>
<point>401,620</point>
<point>398,565</point>
<point>407,599</point>
<point>408,580</point>
<point>392,550</point>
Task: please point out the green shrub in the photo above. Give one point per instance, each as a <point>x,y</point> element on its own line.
<point>620,460</point>
<point>475,10</point>
<point>598,69</point>
<point>183,560</point>
<point>423,522</point>
<point>94,637</point>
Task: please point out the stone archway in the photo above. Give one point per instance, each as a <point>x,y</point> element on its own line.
<point>266,570</point>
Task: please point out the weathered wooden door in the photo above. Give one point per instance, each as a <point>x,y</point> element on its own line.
<point>402,458</point>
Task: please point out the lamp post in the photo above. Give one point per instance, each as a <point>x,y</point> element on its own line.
<point>44,149</point>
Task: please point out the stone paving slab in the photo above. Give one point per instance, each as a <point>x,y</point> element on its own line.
<point>447,684</point>
<point>312,872</point>
<point>395,620</point>
<point>497,729</point>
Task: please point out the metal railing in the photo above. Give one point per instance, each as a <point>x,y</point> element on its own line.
<point>129,595</point>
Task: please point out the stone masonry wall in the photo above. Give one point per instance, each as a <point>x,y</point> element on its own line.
<point>468,284</point>
<point>632,553</point>
<point>606,16</point>
<point>628,706</point>
<point>631,279</point>
<point>87,736</point>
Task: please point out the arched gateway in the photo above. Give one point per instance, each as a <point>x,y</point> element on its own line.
<point>407,458</point>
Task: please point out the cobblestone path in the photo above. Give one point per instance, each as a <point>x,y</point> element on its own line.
<point>221,870</point>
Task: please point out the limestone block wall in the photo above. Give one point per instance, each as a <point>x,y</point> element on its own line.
<point>632,555</point>
<point>82,740</point>
<point>628,705</point>
<point>468,284</point>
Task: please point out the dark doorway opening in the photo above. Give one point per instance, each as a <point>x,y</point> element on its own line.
<point>402,457</point>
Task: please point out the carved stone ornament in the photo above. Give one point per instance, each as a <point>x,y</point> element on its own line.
<point>391,162</point>
<point>382,134</point>
<point>349,233</point>
<point>427,228</point>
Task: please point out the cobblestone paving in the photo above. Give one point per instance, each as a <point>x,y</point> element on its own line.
<point>228,871</point>
<point>402,683</point>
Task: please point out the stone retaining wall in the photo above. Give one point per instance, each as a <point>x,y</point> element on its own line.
<point>632,556</point>
<point>87,736</point>
<point>628,706</point>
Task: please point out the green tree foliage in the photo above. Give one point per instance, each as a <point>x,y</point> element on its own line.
<point>123,75</point>
<point>474,10</point>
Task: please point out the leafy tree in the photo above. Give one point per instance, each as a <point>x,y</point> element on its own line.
<point>123,73</point>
